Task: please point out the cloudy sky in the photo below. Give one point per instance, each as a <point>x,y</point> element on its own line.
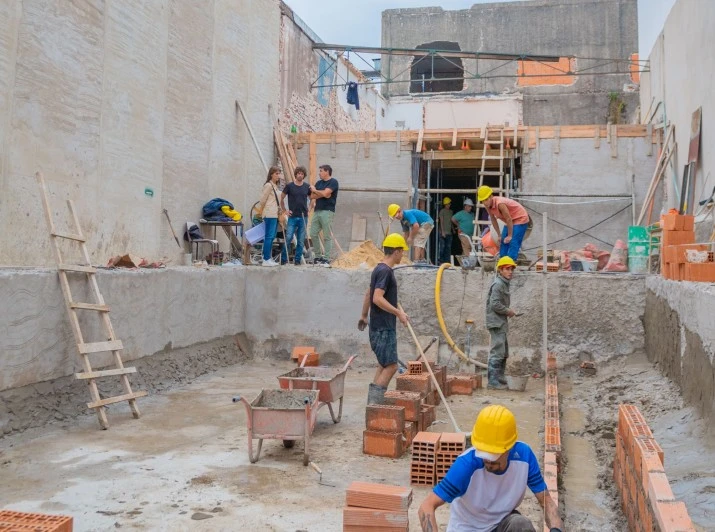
<point>357,22</point>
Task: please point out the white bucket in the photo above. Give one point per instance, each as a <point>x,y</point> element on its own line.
<point>516,384</point>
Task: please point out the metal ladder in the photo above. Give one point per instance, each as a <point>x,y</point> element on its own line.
<point>87,348</point>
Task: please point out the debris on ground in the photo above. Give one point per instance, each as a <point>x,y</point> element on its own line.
<point>367,255</point>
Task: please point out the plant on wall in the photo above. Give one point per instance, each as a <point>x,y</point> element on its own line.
<point>616,108</point>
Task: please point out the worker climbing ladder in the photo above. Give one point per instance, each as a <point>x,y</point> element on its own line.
<point>88,348</point>
<point>493,136</point>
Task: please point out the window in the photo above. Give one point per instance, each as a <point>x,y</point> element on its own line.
<point>435,73</point>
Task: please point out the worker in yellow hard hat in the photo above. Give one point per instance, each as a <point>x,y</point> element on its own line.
<point>416,225</point>
<point>444,222</point>
<point>381,302</point>
<point>513,214</point>
<point>485,484</point>
<point>498,314</point>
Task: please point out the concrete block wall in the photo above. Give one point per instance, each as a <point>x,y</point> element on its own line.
<point>110,99</point>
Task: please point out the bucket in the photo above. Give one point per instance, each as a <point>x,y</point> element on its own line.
<point>637,264</point>
<point>516,384</point>
<point>186,259</point>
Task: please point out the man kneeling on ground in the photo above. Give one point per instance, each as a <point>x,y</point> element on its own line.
<point>381,301</point>
<point>488,481</point>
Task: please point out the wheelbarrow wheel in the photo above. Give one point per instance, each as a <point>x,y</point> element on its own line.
<point>288,444</point>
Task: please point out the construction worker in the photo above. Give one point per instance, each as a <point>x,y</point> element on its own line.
<point>488,481</point>
<point>417,226</point>
<point>323,197</point>
<point>498,313</point>
<point>381,301</point>
<point>464,222</point>
<point>445,230</point>
<point>512,214</point>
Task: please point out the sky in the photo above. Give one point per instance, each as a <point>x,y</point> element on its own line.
<point>358,22</point>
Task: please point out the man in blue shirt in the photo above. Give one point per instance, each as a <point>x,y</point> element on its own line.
<point>488,481</point>
<point>417,226</point>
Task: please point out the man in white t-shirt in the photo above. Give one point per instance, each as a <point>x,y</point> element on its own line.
<point>487,482</point>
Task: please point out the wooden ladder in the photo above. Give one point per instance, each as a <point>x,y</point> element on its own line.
<point>112,343</point>
<point>492,135</point>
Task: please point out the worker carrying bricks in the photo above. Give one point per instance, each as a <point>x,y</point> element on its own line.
<point>381,301</point>
<point>518,223</point>
<point>487,482</point>
<point>417,226</point>
<point>498,314</point>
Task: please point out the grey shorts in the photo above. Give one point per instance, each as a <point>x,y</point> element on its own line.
<point>384,344</point>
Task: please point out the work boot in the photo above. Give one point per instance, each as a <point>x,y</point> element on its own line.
<point>495,374</point>
<point>500,374</point>
<point>376,394</point>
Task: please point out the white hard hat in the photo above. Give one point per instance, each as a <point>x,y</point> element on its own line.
<point>468,201</point>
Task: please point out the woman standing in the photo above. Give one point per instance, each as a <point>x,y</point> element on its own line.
<point>269,207</point>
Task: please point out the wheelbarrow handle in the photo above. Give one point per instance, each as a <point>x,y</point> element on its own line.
<point>236,399</point>
<point>347,364</point>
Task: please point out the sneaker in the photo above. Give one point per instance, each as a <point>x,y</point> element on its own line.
<point>269,263</point>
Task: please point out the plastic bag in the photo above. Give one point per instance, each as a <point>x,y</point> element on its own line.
<point>619,258</point>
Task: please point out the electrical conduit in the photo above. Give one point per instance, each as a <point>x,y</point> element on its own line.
<point>440,319</point>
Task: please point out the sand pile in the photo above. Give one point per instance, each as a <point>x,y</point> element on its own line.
<point>367,254</point>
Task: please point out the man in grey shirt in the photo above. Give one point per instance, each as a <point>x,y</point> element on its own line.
<point>498,314</point>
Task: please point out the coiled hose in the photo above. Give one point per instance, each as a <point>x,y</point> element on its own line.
<point>440,319</point>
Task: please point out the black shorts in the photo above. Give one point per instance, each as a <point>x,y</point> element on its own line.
<point>384,344</point>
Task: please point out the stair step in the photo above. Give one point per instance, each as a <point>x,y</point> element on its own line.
<point>104,373</point>
<point>90,306</point>
<point>117,399</point>
<point>100,347</point>
<point>490,172</point>
<point>69,236</point>
<point>76,268</point>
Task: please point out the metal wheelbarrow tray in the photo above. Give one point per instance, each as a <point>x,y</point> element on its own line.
<point>329,382</point>
<point>286,415</point>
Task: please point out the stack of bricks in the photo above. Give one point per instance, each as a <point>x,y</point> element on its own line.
<point>421,384</point>
<point>449,447</point>
<point>11,521</point>
<point>424,458</point>
<point>552,431</point>
<point>376,507</point>
<point>678,239</point>
<point>385,431</point>
<point>412,403</point>
<point>638,472</point>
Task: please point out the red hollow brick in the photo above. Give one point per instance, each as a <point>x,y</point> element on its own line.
<point>414,383</point>
<point>673,517</point>
<point>378,496</point>
<point>411,401</point>
<point>370,518</point>
<point>385,418</point>
<point>452,442</point>
<point>414,367</point>
<point>461,385</point>
<point>11,520</point>
<point>650,463</point>
<point>387,444</point>
<point>659,487</point>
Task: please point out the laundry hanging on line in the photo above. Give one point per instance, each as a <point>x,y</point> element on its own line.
<point>353,95</point>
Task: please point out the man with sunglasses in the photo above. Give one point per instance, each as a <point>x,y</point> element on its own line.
<point>488,481</point>
<point>498,314</point>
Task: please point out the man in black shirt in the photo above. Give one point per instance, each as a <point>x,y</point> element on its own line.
<point>297,192</point>
<point>381,301</point>
<point>324,195</point>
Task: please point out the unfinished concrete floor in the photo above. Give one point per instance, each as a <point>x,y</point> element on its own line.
<point>184,464</point>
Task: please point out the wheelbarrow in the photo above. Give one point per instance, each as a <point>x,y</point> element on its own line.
<point>329,382</point>
<point>287,415</point>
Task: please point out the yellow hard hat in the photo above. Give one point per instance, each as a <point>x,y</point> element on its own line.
<point>395,240</point>
<point>494,432</point>
<point>446,201</point>
<point>483,193</point>
<point>392,210</point>
<point>506,261</point>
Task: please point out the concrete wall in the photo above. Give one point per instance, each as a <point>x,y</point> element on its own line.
<point>586,29</point>
<point>320,109</point>
<point>580,168</point>
<point>680,337</point>
<point>112,98</point>
<point>681,80</point>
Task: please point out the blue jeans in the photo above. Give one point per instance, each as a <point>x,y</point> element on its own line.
<point>517,235</point>
<point>294,222</point>
<point>271,230</point>
<point>445,248</point>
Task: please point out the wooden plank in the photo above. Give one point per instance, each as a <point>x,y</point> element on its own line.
<point>420,137</point>
<point>90,306</point>
<point>397,143</point>
<point>76,268</point>
<point>451,155</point>
<point>100,347</point>
<point>597,137</point>
<point>105,373</point>
<point>366,146</point>
<point>78,238</point>
<point>454,137</point>
<point>649,140</point>
<point>117,399</point>
<point>312,160</point>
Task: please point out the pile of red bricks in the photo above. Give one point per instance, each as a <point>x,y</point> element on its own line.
<point>678,238</point>
<point>385,431</point>
<point>433,453</point>
<point>552,431</point>
<point>12,521</point>
<point>376,507</point>
<point>647,499</point>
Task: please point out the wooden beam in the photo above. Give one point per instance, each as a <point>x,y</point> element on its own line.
<point>460,154</point>
<point>312,159</point>
<point>420,136</point>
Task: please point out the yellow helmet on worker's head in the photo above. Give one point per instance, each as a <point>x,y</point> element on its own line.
<point>392,210</point>
<point>494,432</point>
<point>446,201</point>
<point>506,261</point>
<point>483,193</point>
<point>395,240</point>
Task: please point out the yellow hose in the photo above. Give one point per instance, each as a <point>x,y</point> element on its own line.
<point>440,319</point>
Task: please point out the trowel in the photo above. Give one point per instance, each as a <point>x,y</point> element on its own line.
<point>320,475</point>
